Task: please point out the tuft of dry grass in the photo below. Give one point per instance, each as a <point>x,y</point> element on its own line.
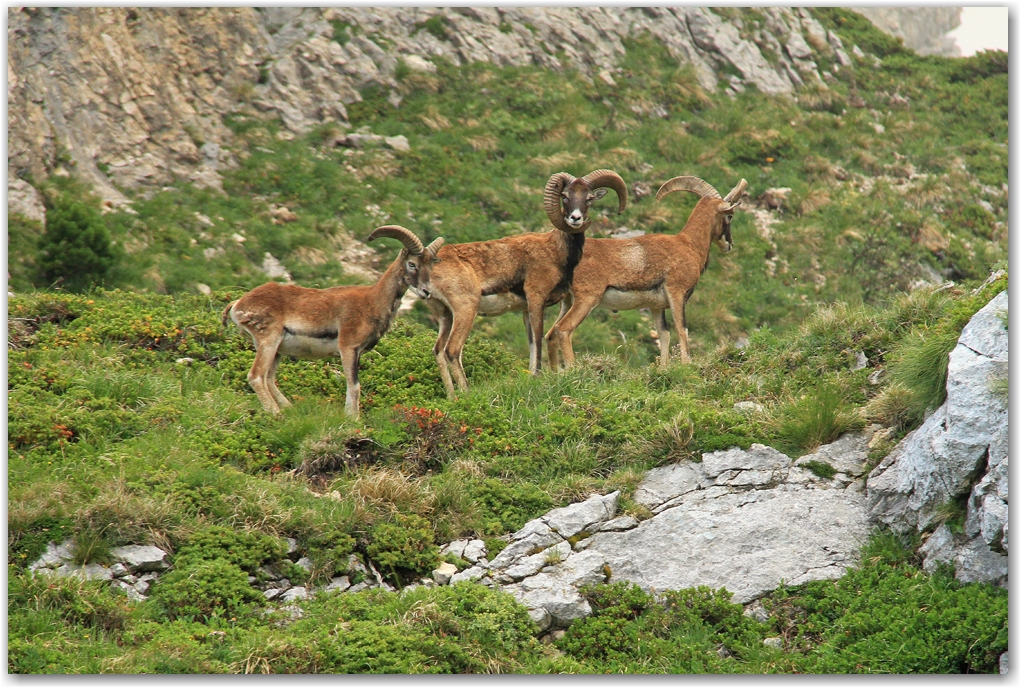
<point>391,491</point>
<point>931,237</point>
<point>127,517</point>
<point>814,200</point>
<point>892,407</point>
<point>486,142</point>
<point>434,120</point>
<point>557,161</point>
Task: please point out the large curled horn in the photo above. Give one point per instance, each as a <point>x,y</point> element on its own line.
<point>607,178</point>
<point>553,204</point>
<point>434,247</point>
<point>733,197</point>
<point>411,242</point>
<point>692,184</point>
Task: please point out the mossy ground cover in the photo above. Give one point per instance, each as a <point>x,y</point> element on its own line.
<point>116,437</point>
<point>130,420</point>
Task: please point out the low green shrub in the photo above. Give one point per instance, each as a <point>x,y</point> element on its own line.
<point>246,550</point>
<point>820,468</point>
<point>201,589</point>
<point>894,618</point>
<point>818,417</point>
<point>76,251</point>
<point>92,604</point>
<point>27,541</point>
<point>404,549</point>
<point>506,507</point>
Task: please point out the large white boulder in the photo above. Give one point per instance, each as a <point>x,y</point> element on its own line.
<point>961,449</point>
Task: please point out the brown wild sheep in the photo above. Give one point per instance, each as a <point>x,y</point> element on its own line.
<point>318,323</point>
<point>523,273</point>
<point>655,271</point>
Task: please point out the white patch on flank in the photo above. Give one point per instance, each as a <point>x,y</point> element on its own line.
<point>632,255</point>
<point>614,299</point>
<point>499,303</point>
<point>307,347</point>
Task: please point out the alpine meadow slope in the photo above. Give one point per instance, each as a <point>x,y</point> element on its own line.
<point>876,213</point>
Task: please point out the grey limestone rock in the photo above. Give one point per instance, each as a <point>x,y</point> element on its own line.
<point>141,558</point>
<point>339,584</point>
<point>962,447</point>
<point>475,551</point>
<point>564,604</point>
<point>624,522</point>
<point>577,517</point>
<point>662,484</point>
<point>444,572</point>
<point>295,594</point>
<point>759,457</point>
<point>472,573</point>
<point>55,555</point>
<point>748,542</point>
<point>848,454</point>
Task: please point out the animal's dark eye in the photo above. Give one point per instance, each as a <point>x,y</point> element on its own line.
<point>411,267</point>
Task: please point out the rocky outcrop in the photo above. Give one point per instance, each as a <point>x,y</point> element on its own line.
<point>747,520</point>
<point>136,97</point>
<point>24,200</point>
<point>961,451</point>
<point>922,29</point>
<point>134,571</point>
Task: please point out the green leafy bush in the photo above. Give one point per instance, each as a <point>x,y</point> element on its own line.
<point>76,601</point>
<point>817,418</point>
<point>246,550</point>
<point>506,507</point>
<point>404,548</point>
<point>888,618</point>
<point>201,589</point>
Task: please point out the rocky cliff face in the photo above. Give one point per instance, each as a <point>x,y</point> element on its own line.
<point>923,29</point>
<point>136,97</point>
<point>961,451</point>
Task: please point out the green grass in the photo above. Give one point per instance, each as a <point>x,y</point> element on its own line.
<point>181,455</point>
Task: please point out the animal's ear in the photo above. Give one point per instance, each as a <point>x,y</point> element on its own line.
<point>599,192</point>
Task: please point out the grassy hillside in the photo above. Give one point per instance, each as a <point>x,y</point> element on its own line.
<point>887,170</point>
<point>130,420</point>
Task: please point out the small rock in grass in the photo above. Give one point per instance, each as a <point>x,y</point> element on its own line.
<point>339,584</point>
<point>444,573</point>
<point>141,558</point>
<point>295,594</point>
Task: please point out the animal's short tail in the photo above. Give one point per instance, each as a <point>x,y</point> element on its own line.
<point>226,312</point>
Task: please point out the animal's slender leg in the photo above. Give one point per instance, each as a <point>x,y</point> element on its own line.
<point>535,316</point>
<point>265,355</point>
<point>677,303</point>
<point>281,400</point>
<point>659,318</point>
<point>563,331</point>
<point>531,341</point>
<point>445,317</point>
<point>551,343</point>
<point>350,358</point>
<point>463,320</point>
